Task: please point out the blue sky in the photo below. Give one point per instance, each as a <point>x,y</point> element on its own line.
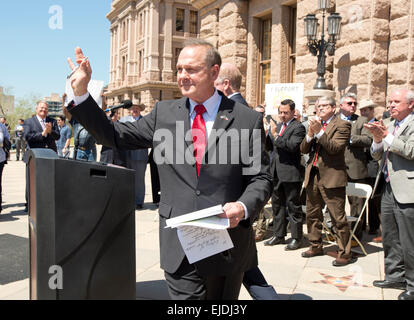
<point>33,55</point>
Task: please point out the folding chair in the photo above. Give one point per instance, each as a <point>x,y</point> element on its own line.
<point>360,190</point>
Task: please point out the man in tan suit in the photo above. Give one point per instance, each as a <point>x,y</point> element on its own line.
<point>326,179</point>
<point>355,157</point>
<point>394,145</point>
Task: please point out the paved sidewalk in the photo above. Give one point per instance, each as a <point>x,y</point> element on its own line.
<point>293,277</point>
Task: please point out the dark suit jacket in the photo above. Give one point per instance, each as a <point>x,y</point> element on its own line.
<point>286,166</point>
<point>239,98</point>
<point>33,134</point>
<point>181,190</point>
<point>331,155</point>
<point>355,153</point>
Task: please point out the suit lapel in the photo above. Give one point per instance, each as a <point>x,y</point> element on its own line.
<point>183,114</point>
<point>224,117</point>
<point>38,124</point>
<point>331,125</point>
<point>290,127</point>
<point>404,125</point>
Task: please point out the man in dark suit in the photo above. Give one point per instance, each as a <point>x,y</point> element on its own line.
<point>198,180</point>
<point>326,179</point>
<point>367,109</point>
<point>253,279</point>
<point>355,156</point>
<point>394,144</point>
<point>41,131</point>
<point>137,159</point>
<point>286,138</point>
<point>229,82</point>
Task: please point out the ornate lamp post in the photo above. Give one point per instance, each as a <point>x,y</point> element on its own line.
<point>319,47</point>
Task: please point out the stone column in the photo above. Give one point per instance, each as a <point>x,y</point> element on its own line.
<point>252,56</point>
<point>131,72</point>
<point>111,63</point>
<point>167,71</point>
<point>119,58</point>
<point>186,23</point>
<point>401,56</point>
<point>361,60</point>
<point>146,40</point>
<point>232,36</point>
<point>154,30</point>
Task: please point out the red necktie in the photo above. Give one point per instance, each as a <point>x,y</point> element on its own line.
<point>199,135</point>
<point>319,146</point>
<point>283,129</point>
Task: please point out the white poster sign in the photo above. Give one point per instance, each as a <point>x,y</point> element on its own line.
<point>277,92</point>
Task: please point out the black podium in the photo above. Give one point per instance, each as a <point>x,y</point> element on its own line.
<point>81,228</point>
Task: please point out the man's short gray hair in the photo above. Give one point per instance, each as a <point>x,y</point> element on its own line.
<point>348,95</point>
<point>331,101</point>
<point>212,55</point>
<point>410,96</point>
<point>42,102</point>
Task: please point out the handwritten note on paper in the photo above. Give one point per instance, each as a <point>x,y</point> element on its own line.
<point>200,243</point>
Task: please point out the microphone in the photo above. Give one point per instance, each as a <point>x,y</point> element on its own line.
<point>126,104</point>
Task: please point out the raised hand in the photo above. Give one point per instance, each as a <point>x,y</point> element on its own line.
<point>80,79</point>
<point>315,125</point>
<point>273,129</point>
<point>378,129</point>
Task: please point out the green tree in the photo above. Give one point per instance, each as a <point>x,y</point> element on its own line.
<point>24,108</point>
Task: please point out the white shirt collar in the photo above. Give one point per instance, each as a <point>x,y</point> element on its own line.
<point>40,119</point>
<point>329,120</point>
<point>211,104</point>
<point>344,117</point>
<point>233,94</point>
<point>287,123</point>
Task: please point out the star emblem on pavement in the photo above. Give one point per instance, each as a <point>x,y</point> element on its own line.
<point>342,283</point>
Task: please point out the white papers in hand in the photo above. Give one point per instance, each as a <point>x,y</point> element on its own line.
<point>200,243</point>
<point>202,233</point>
<point>94,88</point>
<point>206,218</point>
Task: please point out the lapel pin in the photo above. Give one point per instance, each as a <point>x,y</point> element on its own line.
<point>224,118</point>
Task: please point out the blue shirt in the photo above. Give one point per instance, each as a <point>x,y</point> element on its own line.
<point>65,134</point>
<point>3,134</point>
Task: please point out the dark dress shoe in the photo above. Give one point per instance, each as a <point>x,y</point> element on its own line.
<point>389,284</point>
<point>340,262</point>
<point>377,239</point>
<point>274,240</point>
<point>406,295</point>
<point>259,237</point>
<point>312,253</point>
<point>294,244</point>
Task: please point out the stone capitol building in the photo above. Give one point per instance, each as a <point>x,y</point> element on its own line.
<point>266,40</point>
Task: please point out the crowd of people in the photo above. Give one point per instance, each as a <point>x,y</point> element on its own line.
<point>303,164</point>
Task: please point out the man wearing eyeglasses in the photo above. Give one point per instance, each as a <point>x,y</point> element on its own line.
<point>326,179</point>
<point>355,156</point>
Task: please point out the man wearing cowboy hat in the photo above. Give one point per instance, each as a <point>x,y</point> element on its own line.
<point>137,159</point>
<point>355,157</point>
<point>367,109</point>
